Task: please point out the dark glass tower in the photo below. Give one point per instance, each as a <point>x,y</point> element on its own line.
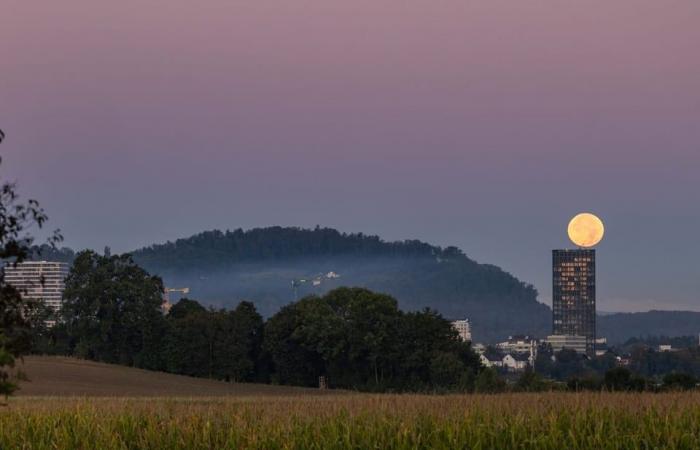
<point>573,294</point>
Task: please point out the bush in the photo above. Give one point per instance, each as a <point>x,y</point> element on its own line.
<point>679,381</point>
<point>488,382</point>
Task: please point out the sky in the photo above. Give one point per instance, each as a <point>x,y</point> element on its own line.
<point>481,124</point>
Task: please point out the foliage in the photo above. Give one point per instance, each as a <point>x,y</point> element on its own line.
<point>679,381</point>
<point>356,338</point>
<point>213,343</point>
<point>531,381</point>
<point>488,382</point>
<point>112,311</point>
<point>621,379</point>
<point>212,249</point>
<point>361,340</point>
<point>590,382</point>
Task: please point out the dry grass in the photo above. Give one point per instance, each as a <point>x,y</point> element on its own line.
<point>56,376</point>
<point>522,421</point>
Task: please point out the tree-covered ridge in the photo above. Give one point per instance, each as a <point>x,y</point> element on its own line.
<point>260,264</point>
<point>220,248</point>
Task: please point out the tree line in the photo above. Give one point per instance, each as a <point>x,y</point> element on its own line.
<point>355,338</point>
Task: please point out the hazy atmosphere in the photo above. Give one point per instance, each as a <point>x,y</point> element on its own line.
<point>484,125</point>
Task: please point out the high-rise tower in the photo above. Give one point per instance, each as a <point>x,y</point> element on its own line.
<point>573,294</point>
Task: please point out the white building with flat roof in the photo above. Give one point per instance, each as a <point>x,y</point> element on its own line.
<point>464,328</point>
<point>518,344</point>
<point>39,280</point>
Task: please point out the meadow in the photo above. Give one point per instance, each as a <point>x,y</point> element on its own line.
<point>356,421</point>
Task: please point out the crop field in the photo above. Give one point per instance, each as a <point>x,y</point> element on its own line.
<point>356,421</point>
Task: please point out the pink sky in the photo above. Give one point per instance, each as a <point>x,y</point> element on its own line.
<point>482,124</point>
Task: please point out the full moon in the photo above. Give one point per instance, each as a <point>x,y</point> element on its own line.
<point>586,230</point>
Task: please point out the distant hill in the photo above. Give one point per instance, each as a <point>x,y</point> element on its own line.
<point>60,376</point>
<point>260,264</point>
<point>619,327</point>
<point>47,253</point>
<point>221,268</point>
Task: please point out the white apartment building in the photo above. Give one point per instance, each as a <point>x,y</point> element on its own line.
<point>27,278</point>
<point>464,329</point>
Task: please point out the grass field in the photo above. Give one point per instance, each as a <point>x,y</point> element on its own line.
<point>507,421</point>
<point>57,376</point>
<point>72,404</point>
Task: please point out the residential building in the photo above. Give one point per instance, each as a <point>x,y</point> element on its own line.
<point>574,295</point>
<point>512,362</point>
<point>464,329</point>
<point>518,344</point>
<point>561,342</point>
<point>39,280</point>
<point>601,346</point>
<point>516,362</point>
<point>491,360</point>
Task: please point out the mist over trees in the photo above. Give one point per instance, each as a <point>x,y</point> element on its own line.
<point>354,337</point>
<point>260,265</point>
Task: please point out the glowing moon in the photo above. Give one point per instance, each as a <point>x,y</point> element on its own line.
<point>586,230</point>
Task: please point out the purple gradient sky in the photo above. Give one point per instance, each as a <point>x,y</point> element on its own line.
<point>482,124</point>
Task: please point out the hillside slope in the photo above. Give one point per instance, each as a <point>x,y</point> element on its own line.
<point>61,376</point>
<point>619,327</point>
<point>221,268</point>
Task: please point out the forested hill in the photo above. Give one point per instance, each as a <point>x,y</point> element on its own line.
<point>222,268</point>
<point>216,249</point>
<point>619,327</point>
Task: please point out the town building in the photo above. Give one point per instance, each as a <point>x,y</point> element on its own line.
<point>561,342</point>
<point>42,281</point>
<point>601,346</point>
<point>491,359</point>
<point>518,344</point>
<point>464,329</point>
<point>574,295</point>
<point>511,362</point>
<point>516,362</point>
